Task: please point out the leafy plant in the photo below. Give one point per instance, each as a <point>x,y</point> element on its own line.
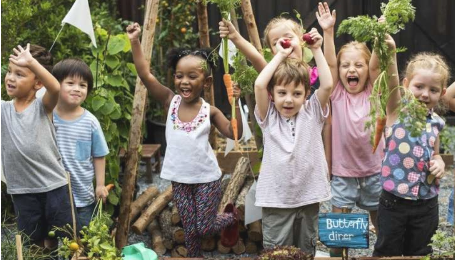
<point>244,74</point>
<point>447,139</point>
<point>443,246</point>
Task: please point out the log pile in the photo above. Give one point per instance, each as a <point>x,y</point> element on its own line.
<point>160,218</point>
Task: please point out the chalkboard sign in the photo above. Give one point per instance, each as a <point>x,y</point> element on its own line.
<point>344,230</point>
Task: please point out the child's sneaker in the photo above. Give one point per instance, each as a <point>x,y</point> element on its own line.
<point>230,234</point>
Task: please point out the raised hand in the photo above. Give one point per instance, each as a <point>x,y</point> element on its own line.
<point>21,56</point>
<point>227,29</point>
<point>317,38</point>
<point>133,31</point>
<point>325,19</point>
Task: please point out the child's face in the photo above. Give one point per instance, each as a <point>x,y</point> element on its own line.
<point>20,82</point>
<point>189,78</point>
<point>353,71</point>
<point>73,91</point>
<point>426,87</point>
<point>289,99</point>
<point>284,31</point>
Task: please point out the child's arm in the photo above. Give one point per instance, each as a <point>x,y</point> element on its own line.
<point>373,66</point>
<point>393,81</point>
<point>222,123</point>
<point>325,78</point>
<point>244,46</point>
<point>23,58</point>
<point>155,88</point>
<point>437,165</point>
<point>99,164</point>
<point>327,22</point>
<point>264,77</point>
<point>449,97</point>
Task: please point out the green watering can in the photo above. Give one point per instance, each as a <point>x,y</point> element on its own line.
<point>138,252</point>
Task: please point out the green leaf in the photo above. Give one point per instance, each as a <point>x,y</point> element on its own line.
<point>115,45</point>
<point>127,46</point>
<point>132,68</point>
<point>112,198</point>
<point>115,80</point>
<point>308,55</point>
<point>97,103</point>
<point>108,107</point>
<point>112,61</point>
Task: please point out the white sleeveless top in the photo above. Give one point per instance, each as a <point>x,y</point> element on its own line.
<point>189,157</point>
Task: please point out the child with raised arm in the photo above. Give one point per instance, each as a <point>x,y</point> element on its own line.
<point>80,138</point>
<point>190,163</point>
<point>355,169</point>
<point>293,178</point>
<point>32,165</point>
<point>412,167</point>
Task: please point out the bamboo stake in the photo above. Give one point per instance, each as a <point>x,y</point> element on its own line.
<point>73,214</point>
<point>140,96</point>
<point>19,247</point>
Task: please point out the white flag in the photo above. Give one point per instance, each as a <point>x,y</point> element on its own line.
<point>79,16</point>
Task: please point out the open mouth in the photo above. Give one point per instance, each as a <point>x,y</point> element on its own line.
<point>9,86</point>
<point>186,92</point>
<point>353,81</point>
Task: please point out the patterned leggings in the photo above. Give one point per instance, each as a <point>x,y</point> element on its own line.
<point>197,205</point>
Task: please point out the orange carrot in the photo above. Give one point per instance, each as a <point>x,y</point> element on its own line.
<point>235,128</point>
<point>380,125</point>
<point>228,83</point>
<point>109,187</point>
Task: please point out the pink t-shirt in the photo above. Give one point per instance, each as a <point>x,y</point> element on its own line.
<point>294,169</point>
<point>352,154</point>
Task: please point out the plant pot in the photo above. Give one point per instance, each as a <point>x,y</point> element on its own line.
<point>156,134</point>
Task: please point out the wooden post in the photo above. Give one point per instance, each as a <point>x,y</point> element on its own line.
<point>19,247</point>
<point>140,97</point>
<point>204,42</point>
<point>253,34</point>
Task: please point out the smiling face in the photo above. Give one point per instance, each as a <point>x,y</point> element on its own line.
<point>73,91</point>
<point>426,87</point>
<point>353,70</point>
<point>190,78</point>
<point>286,29</point>
<point>289,98</point>
<point>20,82</point>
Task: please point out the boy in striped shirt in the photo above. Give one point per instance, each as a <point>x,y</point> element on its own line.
<point>80,138</point>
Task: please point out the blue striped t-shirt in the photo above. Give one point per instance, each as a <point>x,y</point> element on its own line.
<point>78,142</point>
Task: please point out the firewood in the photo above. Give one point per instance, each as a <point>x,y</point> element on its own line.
<point>240,202</point>
<point>224,184</point>
<point>157,242</point>
<point>255,231</point>
<point>152,211</point>
<point>153,225</point>
<point>251,247</point>
<point>239,248</point>
<point>237,180</point>
<point>178,235</point>
<point>179,251</point>
<point>222,249</point>
<point>208,244</point>
<point>175,217</point>
<point>168,243</point>
<point>143,199</point>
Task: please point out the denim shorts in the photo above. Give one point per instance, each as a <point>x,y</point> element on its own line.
<point>84,215</point>
<point>37,213</point>
<point>351,191</point>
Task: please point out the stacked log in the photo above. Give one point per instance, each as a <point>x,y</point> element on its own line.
<point>162,220</point>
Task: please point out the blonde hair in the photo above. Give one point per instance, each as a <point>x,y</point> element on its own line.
<point>428,61</point>
<point>291,71</point>
<point>358,46</point>
<point>294,26</point>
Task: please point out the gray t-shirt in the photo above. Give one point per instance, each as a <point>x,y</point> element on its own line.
<point>30,158</point>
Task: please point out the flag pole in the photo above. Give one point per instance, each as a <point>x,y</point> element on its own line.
<point>56,38</point>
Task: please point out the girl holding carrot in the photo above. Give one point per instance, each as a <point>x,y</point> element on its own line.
<point>355,168</point>
<point>293,178</point>
<point>412,167</point>
<point>190,163</point>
